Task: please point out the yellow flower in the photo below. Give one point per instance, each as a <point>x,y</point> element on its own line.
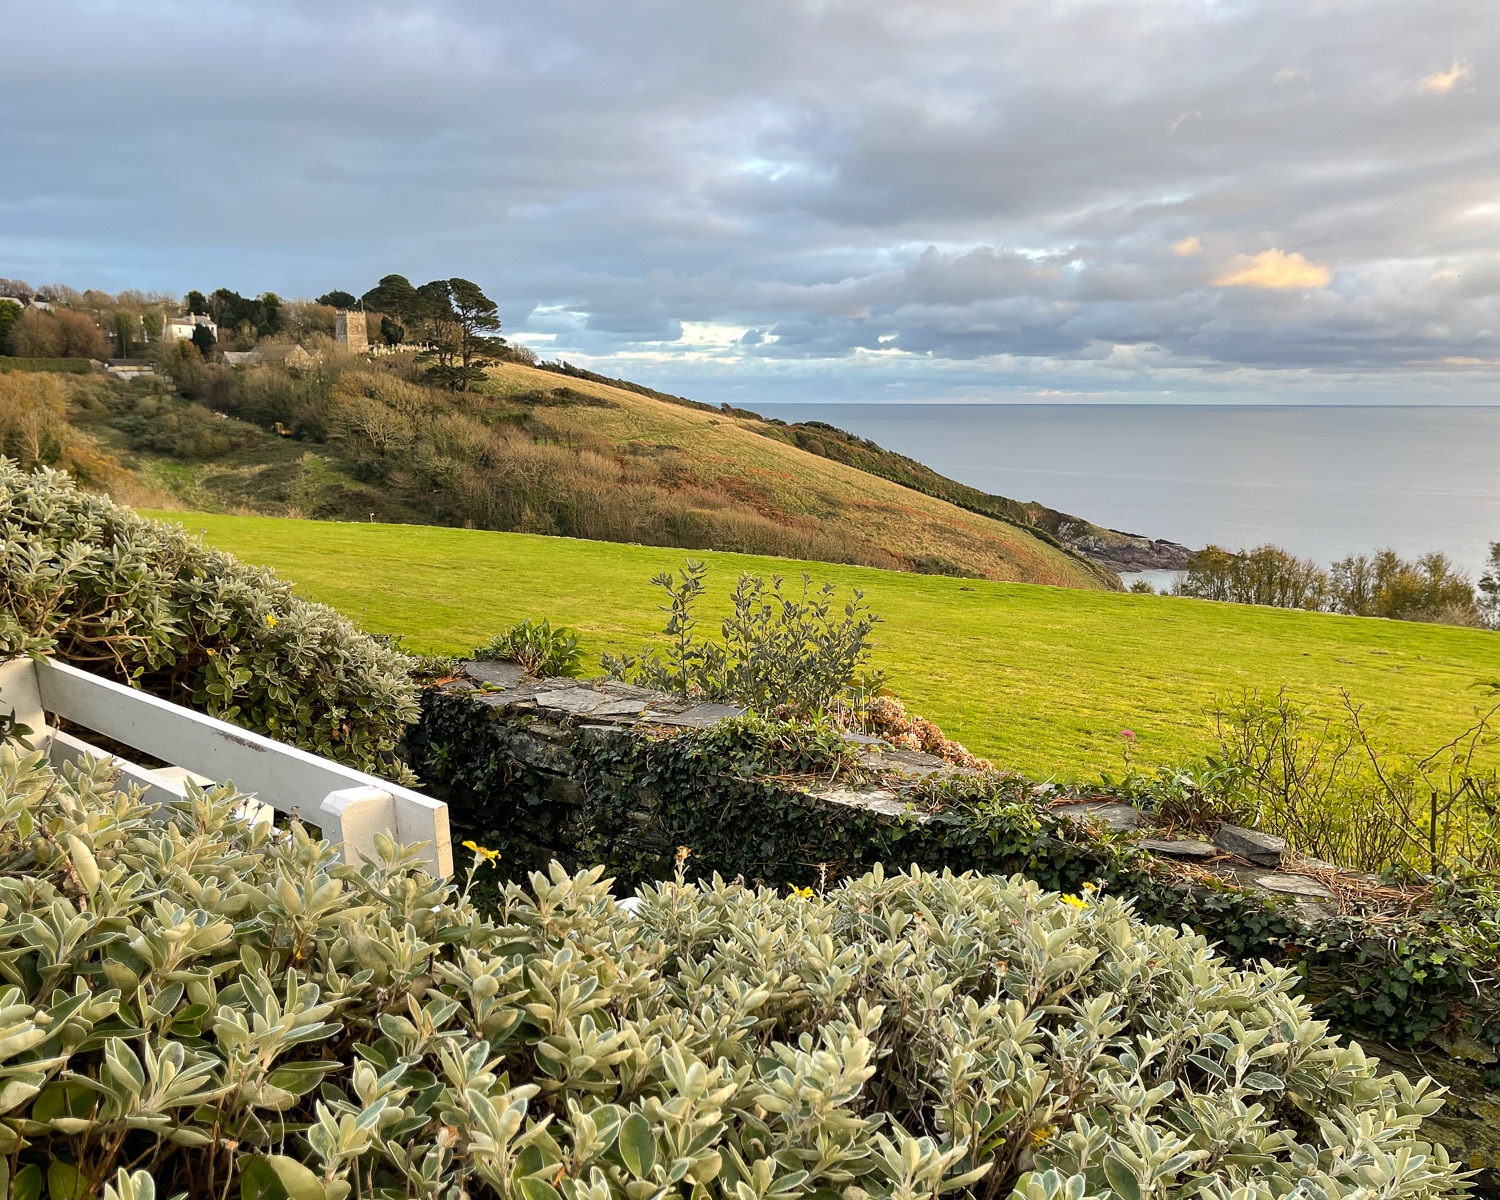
<point>1042,1133</point>
<point>270,621</point>
<point>492,857</point>
<point>804,893</point>
<point>1075,901</point>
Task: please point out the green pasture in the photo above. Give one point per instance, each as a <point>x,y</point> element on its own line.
<point>1042,679</point>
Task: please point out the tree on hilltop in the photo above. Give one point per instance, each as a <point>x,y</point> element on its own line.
<point>461,323</point>
<point>39,334</point>
<point>338,299</point>
<point>394,296</point>
<point>10,310</point>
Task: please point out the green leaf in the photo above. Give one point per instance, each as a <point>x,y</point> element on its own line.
<point>300,1078</point>
<point>84,864</point>
<point>300,1183</point>
<point>259,1182</point>
<point>637,1146</point>
<point>60,1099</point>
<point>65,1182</point>
<point>27,1184</point>
<point>1262,1081</point>
<point>1122,1179</point>
<point>537,1189</point>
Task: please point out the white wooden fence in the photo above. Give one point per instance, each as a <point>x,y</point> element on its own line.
<point>348,805</point>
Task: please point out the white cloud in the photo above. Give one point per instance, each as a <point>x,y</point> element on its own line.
<point>1442,82</point>
<point>1273,269</point>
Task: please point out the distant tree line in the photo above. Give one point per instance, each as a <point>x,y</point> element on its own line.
<point>73,324</point>
<point>261,316</point>
<point>1427,588</point>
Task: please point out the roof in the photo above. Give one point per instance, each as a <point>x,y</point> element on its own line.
<point>290,356</point>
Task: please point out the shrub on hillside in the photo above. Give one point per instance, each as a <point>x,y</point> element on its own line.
<point>145,603</point>
<point>778,651</point>
<point>1338,788</point>
<point>169,426</point>
<point>495,463</point>
<point>233,1012</point>
<point>34,429</point>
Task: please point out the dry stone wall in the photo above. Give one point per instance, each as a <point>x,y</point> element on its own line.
<point>539,721</point>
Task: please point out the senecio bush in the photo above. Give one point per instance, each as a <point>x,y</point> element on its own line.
<point>145,603</point>
<point>221,1006</point>
<point>777,650</point>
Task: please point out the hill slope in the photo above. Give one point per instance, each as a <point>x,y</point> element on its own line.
<point>739,454</point>
<point>1111,548</point>
<point>1042,679</point>
<point>358,440</point>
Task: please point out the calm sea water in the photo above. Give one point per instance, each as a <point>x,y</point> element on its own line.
<point>1323,482</point>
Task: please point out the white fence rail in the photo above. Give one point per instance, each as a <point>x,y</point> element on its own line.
<point>350,806</point>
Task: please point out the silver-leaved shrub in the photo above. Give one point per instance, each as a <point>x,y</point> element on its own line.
<point>196,1004</point>
<point>146,603</point>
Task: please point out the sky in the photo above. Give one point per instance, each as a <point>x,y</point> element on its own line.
<point>1072,200</point>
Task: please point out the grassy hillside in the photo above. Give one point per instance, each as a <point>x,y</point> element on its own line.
<point>729,452</point>
<point>1042,679</point>
<point>1112,548</point>
<point>534,452</point>
<point>1119,551</point>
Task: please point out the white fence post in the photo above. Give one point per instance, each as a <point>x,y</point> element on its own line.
<point>354,816</point>
<point>354,804</point>
<point>19,694</point>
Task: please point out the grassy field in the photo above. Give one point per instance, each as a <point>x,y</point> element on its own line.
<point>1038,678</point>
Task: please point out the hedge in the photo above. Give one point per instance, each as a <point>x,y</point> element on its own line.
<point>147,604</point>
<point>70,366</point>
<point>196,1004</point>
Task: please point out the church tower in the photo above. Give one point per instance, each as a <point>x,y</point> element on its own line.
<point>349,331</point>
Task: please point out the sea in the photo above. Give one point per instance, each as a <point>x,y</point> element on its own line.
<point>1321,481</point>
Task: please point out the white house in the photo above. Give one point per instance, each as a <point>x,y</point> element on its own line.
<point>182,327</point>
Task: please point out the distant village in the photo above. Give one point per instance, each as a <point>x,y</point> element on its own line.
<point>449,326</point>
<point>123,333</point>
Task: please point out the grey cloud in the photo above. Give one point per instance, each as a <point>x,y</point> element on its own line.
<point>989,190</point>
